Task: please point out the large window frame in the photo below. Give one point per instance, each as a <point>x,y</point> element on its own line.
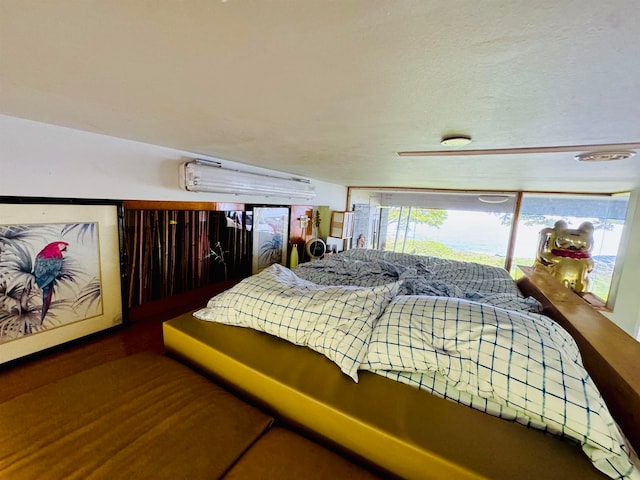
<point>450,199</point>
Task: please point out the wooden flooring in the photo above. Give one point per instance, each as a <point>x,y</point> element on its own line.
<point>25,375</point>
<point>143,332</point>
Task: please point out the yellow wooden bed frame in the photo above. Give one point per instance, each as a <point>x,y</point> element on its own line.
<point>405,431</point>
<point>396,427</point>
<point>400,429</point>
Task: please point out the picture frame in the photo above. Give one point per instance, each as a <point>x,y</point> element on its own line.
<point>341,225</point>
<point>60,273</point>
<point>270,226</point>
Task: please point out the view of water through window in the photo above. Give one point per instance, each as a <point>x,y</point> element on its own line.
<point>463,235</point>
<point>481,234</point>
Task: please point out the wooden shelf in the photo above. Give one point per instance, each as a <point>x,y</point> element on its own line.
<point>609,354</point>
<point>341,225</point>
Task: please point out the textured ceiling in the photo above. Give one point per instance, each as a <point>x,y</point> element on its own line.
<point>333,89</point>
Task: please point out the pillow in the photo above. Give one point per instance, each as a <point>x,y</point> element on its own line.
<point>333,320</point>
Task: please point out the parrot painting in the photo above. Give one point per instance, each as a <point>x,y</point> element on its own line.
<point>46,269</point>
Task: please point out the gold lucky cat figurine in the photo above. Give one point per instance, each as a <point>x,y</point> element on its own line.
<point>566,254</point>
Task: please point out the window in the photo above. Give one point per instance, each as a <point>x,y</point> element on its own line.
<point>463,226</point>
<point>606,213</point>
<point>478,226</point>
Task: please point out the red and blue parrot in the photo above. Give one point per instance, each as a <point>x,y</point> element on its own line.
<point>46,269</point>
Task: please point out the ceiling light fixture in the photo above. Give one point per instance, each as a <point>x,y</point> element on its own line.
<point>207,176</point>
<point>455,140</point>
<point>493,198</point>
<point>604,156</point>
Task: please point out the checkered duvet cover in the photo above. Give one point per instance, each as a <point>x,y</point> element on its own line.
<point>498,357</point>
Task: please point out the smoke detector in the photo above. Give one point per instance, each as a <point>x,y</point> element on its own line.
<point>604,156</point>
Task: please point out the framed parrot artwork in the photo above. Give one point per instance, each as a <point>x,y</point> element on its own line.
<point>59,274</point>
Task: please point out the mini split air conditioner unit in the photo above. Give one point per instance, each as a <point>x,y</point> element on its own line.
<point>207,176</point>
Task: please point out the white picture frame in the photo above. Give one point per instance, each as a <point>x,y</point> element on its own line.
<point>71,251</point>
<point>270,229</point>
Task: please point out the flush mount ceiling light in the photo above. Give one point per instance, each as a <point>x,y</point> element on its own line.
<point>604,156</point>
<point>455,140</point>
<point>493,198</point>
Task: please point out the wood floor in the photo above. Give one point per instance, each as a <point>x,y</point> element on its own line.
<point>134,337</point>
<point>26,375</point>
<point>143,332</point>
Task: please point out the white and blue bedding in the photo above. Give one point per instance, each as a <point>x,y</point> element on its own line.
<point>458,330</point>
<point>515,365</point>
<point>419,275</point>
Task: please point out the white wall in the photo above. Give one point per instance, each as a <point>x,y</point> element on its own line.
<point>41,160</point>
<point>626,310</point>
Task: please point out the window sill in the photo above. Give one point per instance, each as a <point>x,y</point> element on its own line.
<point>596,302</point>
<point>592,300</point>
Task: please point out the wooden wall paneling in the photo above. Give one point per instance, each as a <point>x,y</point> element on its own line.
<point>170,252</point>
<point>144,266</point>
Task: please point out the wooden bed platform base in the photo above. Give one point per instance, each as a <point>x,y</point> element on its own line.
<point>398,428</point>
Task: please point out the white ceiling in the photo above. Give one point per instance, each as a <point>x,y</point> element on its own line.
<point>333,89</point>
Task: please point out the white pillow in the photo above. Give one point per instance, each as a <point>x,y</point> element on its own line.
<point>333,320</point>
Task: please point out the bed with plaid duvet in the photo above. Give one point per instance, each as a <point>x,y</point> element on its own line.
<point>460,331</point>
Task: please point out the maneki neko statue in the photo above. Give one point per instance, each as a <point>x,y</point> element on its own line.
<point>566,254</point>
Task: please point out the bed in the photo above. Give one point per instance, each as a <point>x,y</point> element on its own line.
<point>436,337</point>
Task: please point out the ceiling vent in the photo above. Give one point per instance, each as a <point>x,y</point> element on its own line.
<point>604,156</point>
